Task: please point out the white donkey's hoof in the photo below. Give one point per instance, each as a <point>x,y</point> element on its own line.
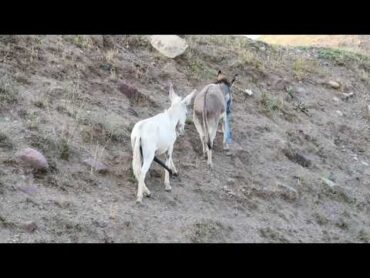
<point>168,188</point>
<point>139,200</point>
<point>147,194</point>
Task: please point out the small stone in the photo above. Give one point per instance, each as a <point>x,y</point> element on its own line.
<point>328,182</point>
<point>230,181</point>
<point>347,96</point>
<point>132,112</point>
<point>334,84</point>
<point>336,99</point>
<point>30,226</point>
<point>300,90</point>
<point>248,92</point>
<point>297,158</point>
<point>96,165</point>
<point>339,113</point>
<point>129,91</point>
<point>33,158</point>
<point>364,163</point>
<point>100,224</point>
<point>29,189</point>
<point>287,187</point>
<point>287,191</point>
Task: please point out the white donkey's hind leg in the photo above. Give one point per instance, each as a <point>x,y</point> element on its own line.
<point>142,187</point>
<point>146,191</point>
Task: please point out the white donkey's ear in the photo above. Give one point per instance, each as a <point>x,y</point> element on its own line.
<point>172,93</point>
<point>189,97</point>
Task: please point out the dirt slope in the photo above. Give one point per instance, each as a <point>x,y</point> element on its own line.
<point>77,97</point>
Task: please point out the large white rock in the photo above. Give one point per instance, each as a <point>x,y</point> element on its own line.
<point>170,46</point>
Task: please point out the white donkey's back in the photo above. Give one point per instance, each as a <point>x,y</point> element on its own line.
<point>155,136</point>
<point>158,127</point>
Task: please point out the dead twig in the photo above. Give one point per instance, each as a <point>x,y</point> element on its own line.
<point>301,107</point>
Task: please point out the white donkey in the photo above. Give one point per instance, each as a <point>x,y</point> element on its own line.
<point>155,136</point>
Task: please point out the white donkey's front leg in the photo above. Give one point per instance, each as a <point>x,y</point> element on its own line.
<point>173,168</point>
<point>169,164</point>
<point>167,175</point>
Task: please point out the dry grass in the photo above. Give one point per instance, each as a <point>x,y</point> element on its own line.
<point>102,127</point>
<point>303,67</point>
<point>5,141</point>
<point>8,92</point>
<point>363,74</point>
<point>344,57</point>
<point>32,120</point>
<point>110,55</point>
<point>274,60</point>
<point>249,58</point>
<point>364,235</point>
<point>97,153</point>
<point>269,105</point>
<point>81,41</point>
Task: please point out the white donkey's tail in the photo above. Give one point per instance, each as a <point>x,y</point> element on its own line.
<point>137,157</point>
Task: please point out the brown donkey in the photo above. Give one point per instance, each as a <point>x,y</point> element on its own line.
<point>210,106</point>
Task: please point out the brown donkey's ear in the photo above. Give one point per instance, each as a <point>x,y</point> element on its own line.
<point>220,75</point>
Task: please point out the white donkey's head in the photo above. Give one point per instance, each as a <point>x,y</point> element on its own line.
<point>179,106</point>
